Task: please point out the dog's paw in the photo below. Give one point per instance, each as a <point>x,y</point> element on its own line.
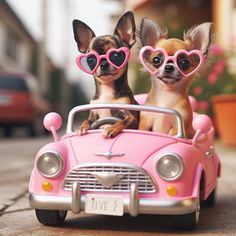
<point>82,131</point>
<point>173,131</point>
<point>110,132</point>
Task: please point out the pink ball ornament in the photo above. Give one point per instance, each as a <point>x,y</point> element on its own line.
<point>52,119</point>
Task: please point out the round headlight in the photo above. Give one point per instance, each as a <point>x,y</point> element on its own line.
<point>170,166</point>
<point>50,164</point>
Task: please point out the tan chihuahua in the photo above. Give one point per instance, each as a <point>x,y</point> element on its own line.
<point>173,64</point>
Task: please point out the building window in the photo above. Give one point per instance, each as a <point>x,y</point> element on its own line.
<point>12,45</point>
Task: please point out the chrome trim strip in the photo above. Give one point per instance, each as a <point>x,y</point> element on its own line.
<point>108,155</point>
<point>75,203</point>
<point>145,206</point>
<point>107,180</point>
<point>179,118</point>
<point>210,153</point>
<point>108,164</point>
<point>119,165</point>
<point>134,200</point>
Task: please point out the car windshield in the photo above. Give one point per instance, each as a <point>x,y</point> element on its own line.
<point>13,83</point>
<point>131,107</point>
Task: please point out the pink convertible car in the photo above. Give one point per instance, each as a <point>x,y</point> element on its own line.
<point>137,172</point>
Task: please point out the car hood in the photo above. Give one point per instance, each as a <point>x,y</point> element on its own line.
<point>130,147</point>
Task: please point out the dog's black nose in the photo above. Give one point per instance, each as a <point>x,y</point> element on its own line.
<point>104,65</point>
<point>169,69</point>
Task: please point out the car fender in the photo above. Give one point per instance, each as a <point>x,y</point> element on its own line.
<point>197,180</point>
<point>36,179</point>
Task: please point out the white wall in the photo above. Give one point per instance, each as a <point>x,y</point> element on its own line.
<point>24,45</point>
<point>23,59</point>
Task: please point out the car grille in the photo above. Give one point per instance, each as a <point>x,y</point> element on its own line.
<point>86,177</point>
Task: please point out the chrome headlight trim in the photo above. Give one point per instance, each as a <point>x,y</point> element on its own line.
<point>177,158</point>
<point>59,168</point>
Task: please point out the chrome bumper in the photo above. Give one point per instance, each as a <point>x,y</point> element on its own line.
<point>132,205</point>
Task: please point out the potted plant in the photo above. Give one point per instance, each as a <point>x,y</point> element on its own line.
<point>215,91</point>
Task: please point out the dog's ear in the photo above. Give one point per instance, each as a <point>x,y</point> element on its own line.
<point>82,34</point>
<point>151,33</point>
<point>200,36</point>
<point>126,29</point>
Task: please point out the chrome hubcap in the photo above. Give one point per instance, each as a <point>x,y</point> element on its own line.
<point>197,212</point>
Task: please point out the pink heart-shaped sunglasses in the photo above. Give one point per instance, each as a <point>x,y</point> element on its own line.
<point>187,62</point>
<point>116,57</point>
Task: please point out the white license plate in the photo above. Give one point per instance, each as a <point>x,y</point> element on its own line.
<point>104,205</point>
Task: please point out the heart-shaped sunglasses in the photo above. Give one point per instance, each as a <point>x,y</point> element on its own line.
<point>187,62</point>
<point>89,62</point>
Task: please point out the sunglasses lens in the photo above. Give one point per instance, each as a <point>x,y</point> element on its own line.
<point>91,62</point>
<point>88,63</point>
<point>153,59</point>
<point>117,58</point>
<point>188,63</point>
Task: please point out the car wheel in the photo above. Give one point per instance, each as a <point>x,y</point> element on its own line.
<point>188,221</point>
<point>7,131</point>
<point>210,201</point>
<point>51,217</point>
<point>32,130</point>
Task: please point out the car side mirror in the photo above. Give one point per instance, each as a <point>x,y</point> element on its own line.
<point>52,122</point>
<point>202,124</point>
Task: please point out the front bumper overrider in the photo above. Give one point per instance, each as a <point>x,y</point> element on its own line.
<point>132,205</point>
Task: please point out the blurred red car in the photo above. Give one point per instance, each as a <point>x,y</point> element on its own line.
<point>19,102</point>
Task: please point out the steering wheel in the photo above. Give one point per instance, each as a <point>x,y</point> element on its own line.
<point>104,121</point>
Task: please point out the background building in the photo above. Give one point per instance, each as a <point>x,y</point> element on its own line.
<point>21,52</point>
<point>17,47</point>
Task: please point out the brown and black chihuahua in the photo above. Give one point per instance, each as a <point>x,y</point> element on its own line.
<point>106,58</point>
